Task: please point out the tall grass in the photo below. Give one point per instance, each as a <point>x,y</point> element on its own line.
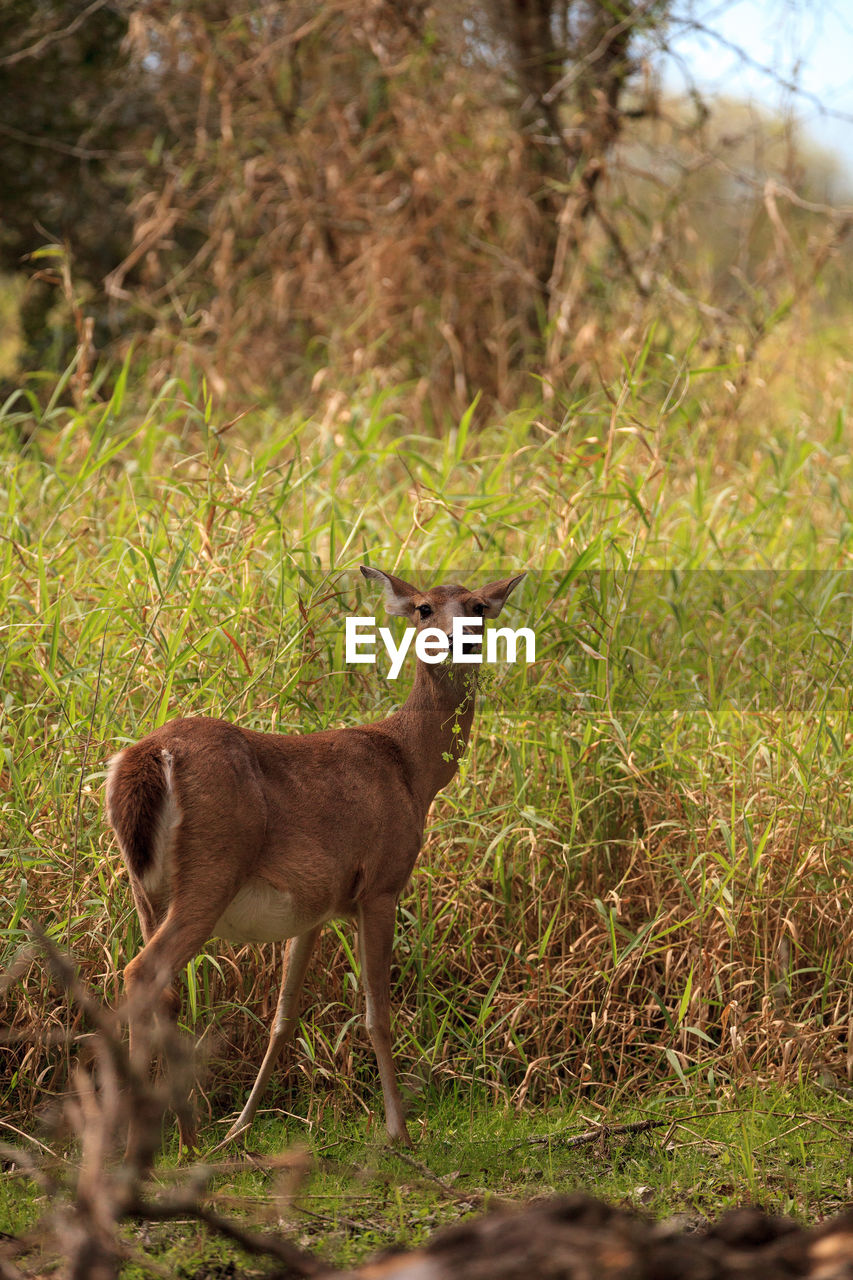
<point>642,872</point>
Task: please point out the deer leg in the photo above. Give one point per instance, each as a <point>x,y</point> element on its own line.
<point>150,916</point>
<point>148,983</point>
<point>169,1006</point>
<point>297,954</point>
<point>161,996</point>
<point>375,940</point>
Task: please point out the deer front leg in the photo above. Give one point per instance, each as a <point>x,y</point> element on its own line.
<point>297,954</point>
<point>375,940</point>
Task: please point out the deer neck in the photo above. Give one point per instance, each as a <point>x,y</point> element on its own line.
<point>433,726</point>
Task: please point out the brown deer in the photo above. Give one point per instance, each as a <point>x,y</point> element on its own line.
<point>262,837</point>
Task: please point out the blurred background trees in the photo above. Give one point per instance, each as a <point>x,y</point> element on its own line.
<point>69,112</point>
<point>460,198</point>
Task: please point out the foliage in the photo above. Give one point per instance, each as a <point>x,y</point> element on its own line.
<point>459,199</point>
<point>643,869</point>
<point>70,107</point>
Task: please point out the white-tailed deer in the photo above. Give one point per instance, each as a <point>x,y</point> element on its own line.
<point>261,837</point>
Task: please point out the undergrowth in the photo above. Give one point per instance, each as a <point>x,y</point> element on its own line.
<point>641,876</point>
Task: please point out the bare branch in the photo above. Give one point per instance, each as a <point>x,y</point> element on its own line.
<point>52,37</point>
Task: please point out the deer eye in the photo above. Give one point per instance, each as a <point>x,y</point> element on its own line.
<point>479,610</point>
<point>425,610</point>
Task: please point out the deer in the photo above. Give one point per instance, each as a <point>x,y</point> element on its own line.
<point>258,837</point>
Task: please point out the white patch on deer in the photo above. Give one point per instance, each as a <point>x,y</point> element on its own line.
<point>260,913</point>
<point>168,821</point>
<point>112,766</point>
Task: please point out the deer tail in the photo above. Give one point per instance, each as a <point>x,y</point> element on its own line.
<point>143,810</point>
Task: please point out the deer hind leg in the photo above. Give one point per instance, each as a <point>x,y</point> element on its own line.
<point>375,941</point>
<point>151,914</point>
<point>164,1010</point>
<point>297,954</point>
<point>186,926</point>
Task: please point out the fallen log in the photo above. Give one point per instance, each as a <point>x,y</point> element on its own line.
<point>579,1238</point>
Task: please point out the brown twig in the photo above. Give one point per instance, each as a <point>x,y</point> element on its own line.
<point>257,1243</point>
<point>51,37</point>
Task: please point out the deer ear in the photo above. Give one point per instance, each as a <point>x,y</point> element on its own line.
<point>495,595</point>
<point>398,594</point>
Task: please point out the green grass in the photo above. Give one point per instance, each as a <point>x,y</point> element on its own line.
<point>348,1197</point>
<point>637,888</point>
<point>783,1151</point>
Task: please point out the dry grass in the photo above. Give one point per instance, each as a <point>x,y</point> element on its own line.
<point>340,197</point>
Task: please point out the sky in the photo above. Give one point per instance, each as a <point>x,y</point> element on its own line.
<point>805,41</point>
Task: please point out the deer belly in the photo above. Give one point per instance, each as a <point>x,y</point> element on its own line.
<point>260,913</point>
